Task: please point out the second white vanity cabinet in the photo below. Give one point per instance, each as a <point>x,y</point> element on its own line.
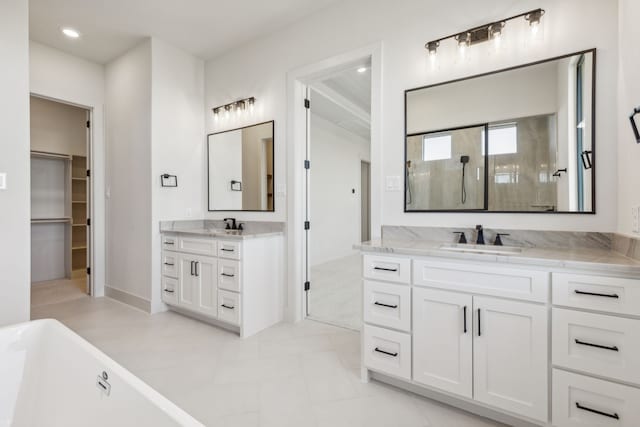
<point>550,348</point>
<point>235,282</point>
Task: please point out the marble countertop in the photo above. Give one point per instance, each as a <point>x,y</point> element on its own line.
<point>211,229</point>
<point>600,260</point>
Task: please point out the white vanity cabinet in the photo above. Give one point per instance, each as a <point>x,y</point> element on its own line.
<point>549,348</point>
<point>234,283</point>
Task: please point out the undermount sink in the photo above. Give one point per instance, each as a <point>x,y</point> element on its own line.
<point>481,249</point>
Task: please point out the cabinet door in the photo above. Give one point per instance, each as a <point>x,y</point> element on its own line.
<point>187,291</point>
<point>206,285</point>
<point>510,356</point>
<point>443,340</point>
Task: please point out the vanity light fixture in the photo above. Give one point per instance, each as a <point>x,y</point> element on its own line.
<point>239,106</point>
<point>486,32</point>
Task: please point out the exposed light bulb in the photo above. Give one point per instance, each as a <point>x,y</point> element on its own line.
<point>534,27</point>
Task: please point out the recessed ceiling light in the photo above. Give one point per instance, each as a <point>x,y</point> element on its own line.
<point>70,32</point>
<point>362,69</point>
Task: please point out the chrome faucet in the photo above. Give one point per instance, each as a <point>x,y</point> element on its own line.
<point>480,235</point>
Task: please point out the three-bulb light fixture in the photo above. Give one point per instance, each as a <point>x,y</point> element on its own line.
<point>492,31</point>
<point>239,106</point>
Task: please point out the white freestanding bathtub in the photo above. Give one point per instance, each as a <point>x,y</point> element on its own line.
<point>50,376</point>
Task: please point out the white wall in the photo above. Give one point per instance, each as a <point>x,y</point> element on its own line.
<point>128,178</point>
<point>60,76</point>
<point>259,69</point>
<point>336,157</point>
<point>629,98</point>
<point>14,161</point>
<point>177,144</point>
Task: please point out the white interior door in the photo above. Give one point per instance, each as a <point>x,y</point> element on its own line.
<point>443,340</point>
<point>510,356</point>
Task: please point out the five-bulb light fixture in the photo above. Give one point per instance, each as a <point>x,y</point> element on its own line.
<point>238,106</point>
<point>486,32</point>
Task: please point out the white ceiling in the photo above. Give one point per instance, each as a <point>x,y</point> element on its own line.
<point>344,98</point>
<point>206,28</point>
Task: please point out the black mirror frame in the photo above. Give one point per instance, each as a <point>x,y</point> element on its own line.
<point>273,162</point>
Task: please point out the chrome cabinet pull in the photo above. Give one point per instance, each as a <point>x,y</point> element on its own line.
<point>604,347</point>
<point>385,305</point>
<point>596,294</point>
<point>595,411</point>
<point>386,352</point>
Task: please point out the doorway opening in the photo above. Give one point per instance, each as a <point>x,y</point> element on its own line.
<point>338,199</point>
<point>60,201</point>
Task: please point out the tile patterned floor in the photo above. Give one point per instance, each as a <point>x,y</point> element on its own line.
<point>304,374</point>
<point>336,292</point>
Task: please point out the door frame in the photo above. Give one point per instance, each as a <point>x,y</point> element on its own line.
<point>90,186</point>
<point>297,81</point>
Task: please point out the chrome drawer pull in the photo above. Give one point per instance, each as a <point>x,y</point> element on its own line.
<point>385,305</point>
<point>595,411</point>
<point>228,306</point>
<point>595,294</point>
<point>169,291</point>
<point>385,269</point>
<point>604,347</point>
<point>386,352</point>
<point>227,275</point>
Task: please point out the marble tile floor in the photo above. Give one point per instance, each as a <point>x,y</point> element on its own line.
<point>304,374</point>
<point>57,291</point>
<point>336,292</point>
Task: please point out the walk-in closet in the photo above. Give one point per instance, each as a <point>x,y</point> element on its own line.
<point>60,202</point>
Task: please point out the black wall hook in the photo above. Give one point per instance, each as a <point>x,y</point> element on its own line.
<point>560,171</point>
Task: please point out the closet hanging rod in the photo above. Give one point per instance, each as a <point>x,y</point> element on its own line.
<point>50,220</point>
<point>46,155</point>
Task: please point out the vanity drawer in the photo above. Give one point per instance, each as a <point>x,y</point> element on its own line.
<point>580,401</point>
<point>229,307</point>
<point>170,242</point>
<point>170,264</point>
<point>387,305</point>
<point>602,293</point>
<point>388,352</point>
<point>229,275</point>
<point>500,281</point>
<point>197,245</point>
<point>390,269</point>
<point>599,344</point>
<point>229,249</point>
<point>170,290</point>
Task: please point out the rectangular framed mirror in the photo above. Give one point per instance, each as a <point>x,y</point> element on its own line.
<point>241,169</point>
<point>520,140</point>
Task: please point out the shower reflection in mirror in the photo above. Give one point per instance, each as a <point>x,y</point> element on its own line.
<point>519,140</point>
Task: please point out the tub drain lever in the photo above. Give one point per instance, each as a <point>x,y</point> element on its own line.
<point>102,383</point>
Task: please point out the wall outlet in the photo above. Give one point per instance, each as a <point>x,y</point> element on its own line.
<point>635,219</point>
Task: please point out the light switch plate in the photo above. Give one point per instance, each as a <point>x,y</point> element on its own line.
<point>3,181</point>
<point>393,183</point>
